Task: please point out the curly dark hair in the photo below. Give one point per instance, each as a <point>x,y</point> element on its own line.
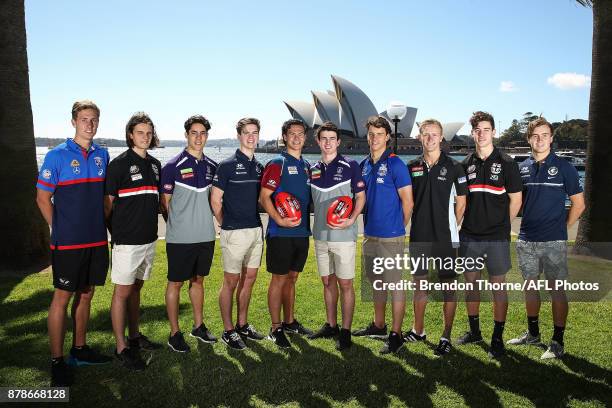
<point>480,116</point>
<point>136,119</point>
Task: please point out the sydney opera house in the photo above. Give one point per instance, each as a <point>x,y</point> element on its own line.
<point>349,108</point>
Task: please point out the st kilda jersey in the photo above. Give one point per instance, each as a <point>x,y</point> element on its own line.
<point>487,215</point>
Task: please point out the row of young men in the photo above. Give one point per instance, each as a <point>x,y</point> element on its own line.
<point>192,188</point>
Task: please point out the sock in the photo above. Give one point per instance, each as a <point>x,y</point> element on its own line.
<point>533,325</point>
<point>474,324</point>
<point>558,334</point>
<point>498,330</point>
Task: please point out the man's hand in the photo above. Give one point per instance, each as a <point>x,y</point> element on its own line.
<point>342,224</point>
<point>289,222</point>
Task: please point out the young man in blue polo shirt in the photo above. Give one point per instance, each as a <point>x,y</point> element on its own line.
<point>542,246</point>
<point>234,198</point>
<point>387,212</point>
<point>190,233</point>
<point>70,195</point>
<point>287,239</point>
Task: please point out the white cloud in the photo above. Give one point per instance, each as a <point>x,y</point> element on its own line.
<point>569,80</point>
<point>507,86</point>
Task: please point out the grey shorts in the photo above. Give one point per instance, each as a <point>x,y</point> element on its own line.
<point>549,257</point>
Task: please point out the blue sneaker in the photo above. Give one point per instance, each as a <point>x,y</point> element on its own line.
<point>85,355</point>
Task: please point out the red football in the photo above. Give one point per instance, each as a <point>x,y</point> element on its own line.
<point>287,205</point>
<point>341,208</point>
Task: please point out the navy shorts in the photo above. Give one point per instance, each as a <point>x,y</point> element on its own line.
<point>284,254</point>
<point>186,261</point>
<point>496,253</point>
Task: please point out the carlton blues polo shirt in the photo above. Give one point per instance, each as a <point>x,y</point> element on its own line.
<point>434,190</point>
<point>341,177</point>
<point>383,215</point>
<point>286,173</point>
<point>487,214</point>
<point>133,181</point>
<point>546,186</point>
<point>76,179</point>
<point>240,179</point>
<point>190,218</point>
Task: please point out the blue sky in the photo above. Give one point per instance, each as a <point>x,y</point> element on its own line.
<point>233,59</point>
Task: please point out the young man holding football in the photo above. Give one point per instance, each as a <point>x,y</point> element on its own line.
<point>333,179</point>
<point>287,239</point>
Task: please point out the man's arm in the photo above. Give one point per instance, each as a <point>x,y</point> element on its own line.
<point>360,199</point>
<point>165,205</point>
<point>216,202</point>
<point>576,209</point>
<point>265,199</point>
<point>43,199</point>
<point>108,206</point>
<point>405,194</point>
<point>516,199</point>
<point>460,202</point>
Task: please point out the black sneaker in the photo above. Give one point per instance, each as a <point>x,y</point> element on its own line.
<point>444,347</point>
<point>61,374</point>
<point>177,343</point>
<point>326,332</point>
<point>372,331</point>
<point>279,338</point>
<point>142,342</point>
<point>85,355</point>
<point>296,327</point>
<point>393,343</point>
<point>130,359</point>
<point>201,333</point>
<point>412,337</point>
<point>233,340</point>
<point>248,332</point>
<point>469,337</point>
<point>497,348</point>
<point>344,340</point>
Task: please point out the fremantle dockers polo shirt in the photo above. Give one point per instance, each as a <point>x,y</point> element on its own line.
<point>133,181</point>
<point>286,173</point>
<point>546,185</point>
<point>434,190</point>
<point>76,179</point>
<point>190,218</point>
<point>487,213</point>
<point>341,177</point>
<point>383,215</point>
<point>239,177</point>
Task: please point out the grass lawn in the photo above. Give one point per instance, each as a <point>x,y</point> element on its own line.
<point>313,373</point>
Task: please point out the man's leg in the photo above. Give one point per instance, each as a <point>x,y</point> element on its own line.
<point>81,307</point>
<point>56,321</point>
<point>173,291</point>
<point>243,294</point>
<point>196,295</point>
<point>500,299</point>
<point>347,300</point>
<point>398,307</point>
<point>275,298</point>
<point>330,295</point>
<point>134,309</point>
<point>230,281</point>
<point>121,294</point>
<point>448,309</point>
<point>419,303</point>
<point>380,310</point>
<point>289,296</point>
<point>560,310</point>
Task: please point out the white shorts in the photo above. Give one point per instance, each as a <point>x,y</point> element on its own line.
<point>241,248</point>
<point>336,258</point>
<point>131,262</point>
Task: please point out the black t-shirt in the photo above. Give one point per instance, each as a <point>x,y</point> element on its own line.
<point>487,213</point>
<point>434,189</point>
<point>134,182</point>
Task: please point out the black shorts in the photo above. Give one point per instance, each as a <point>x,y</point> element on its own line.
<point>284,254</point>
<point>496,253</point>
<point>441,256</point>
<point>76,269</point>
<point>188,260</point>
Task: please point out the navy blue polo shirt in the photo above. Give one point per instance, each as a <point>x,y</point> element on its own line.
<point>546,186</point>
<point>240,179</point>
<point>383,215</point>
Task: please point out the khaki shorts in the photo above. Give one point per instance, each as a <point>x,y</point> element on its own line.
<point>241,248</point>
<point>336,258</point>
<point>373,253</point>
<point>131,262</point>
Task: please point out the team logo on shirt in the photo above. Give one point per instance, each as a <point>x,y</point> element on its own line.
<point>443,171</point>
<point>46,174</point>
<point>553,171</point>
<point>471,168</point>
<point>186,173</point>
<point>209,174</point>
<point>495,169</point>
<point>134,169</point>
<point>155,169</point>
<point>292,169</point>
<point>75,163</point>
<point>339,170</point>
<point>258,169</point>
<point>382,170</point>
<point>98,161</point>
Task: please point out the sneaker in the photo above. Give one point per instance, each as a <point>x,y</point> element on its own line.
<point>248,332</point>
<point>130,359</point>
<point>444,347</point>
<point>469,337</point>
<point>412,337</point>
<point>555,350</point>
<point>326,332</point>
<point>296,327</point>
<point>142,342</point>
<point>233,340</point>
<point>87,356</point>
<point>372,331</point>
<point>177,343</point>
<point>497,349</point>
<point>344,340</point>
<point>525,338</point>
<point>279,338</point>
<point>393,343</point>
<point>61,374</point>
<point>201,333</point>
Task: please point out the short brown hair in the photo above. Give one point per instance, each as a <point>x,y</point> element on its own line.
<point>378,122</point>
<point>541,121</point>
<point>137,119</point>
<point>427,122</point>
<point>480,116</point>
<point>82,105</point>
<point>196,119</point>
<point>247,121</point>
<point>329,127</point>
<point>288,123</point>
